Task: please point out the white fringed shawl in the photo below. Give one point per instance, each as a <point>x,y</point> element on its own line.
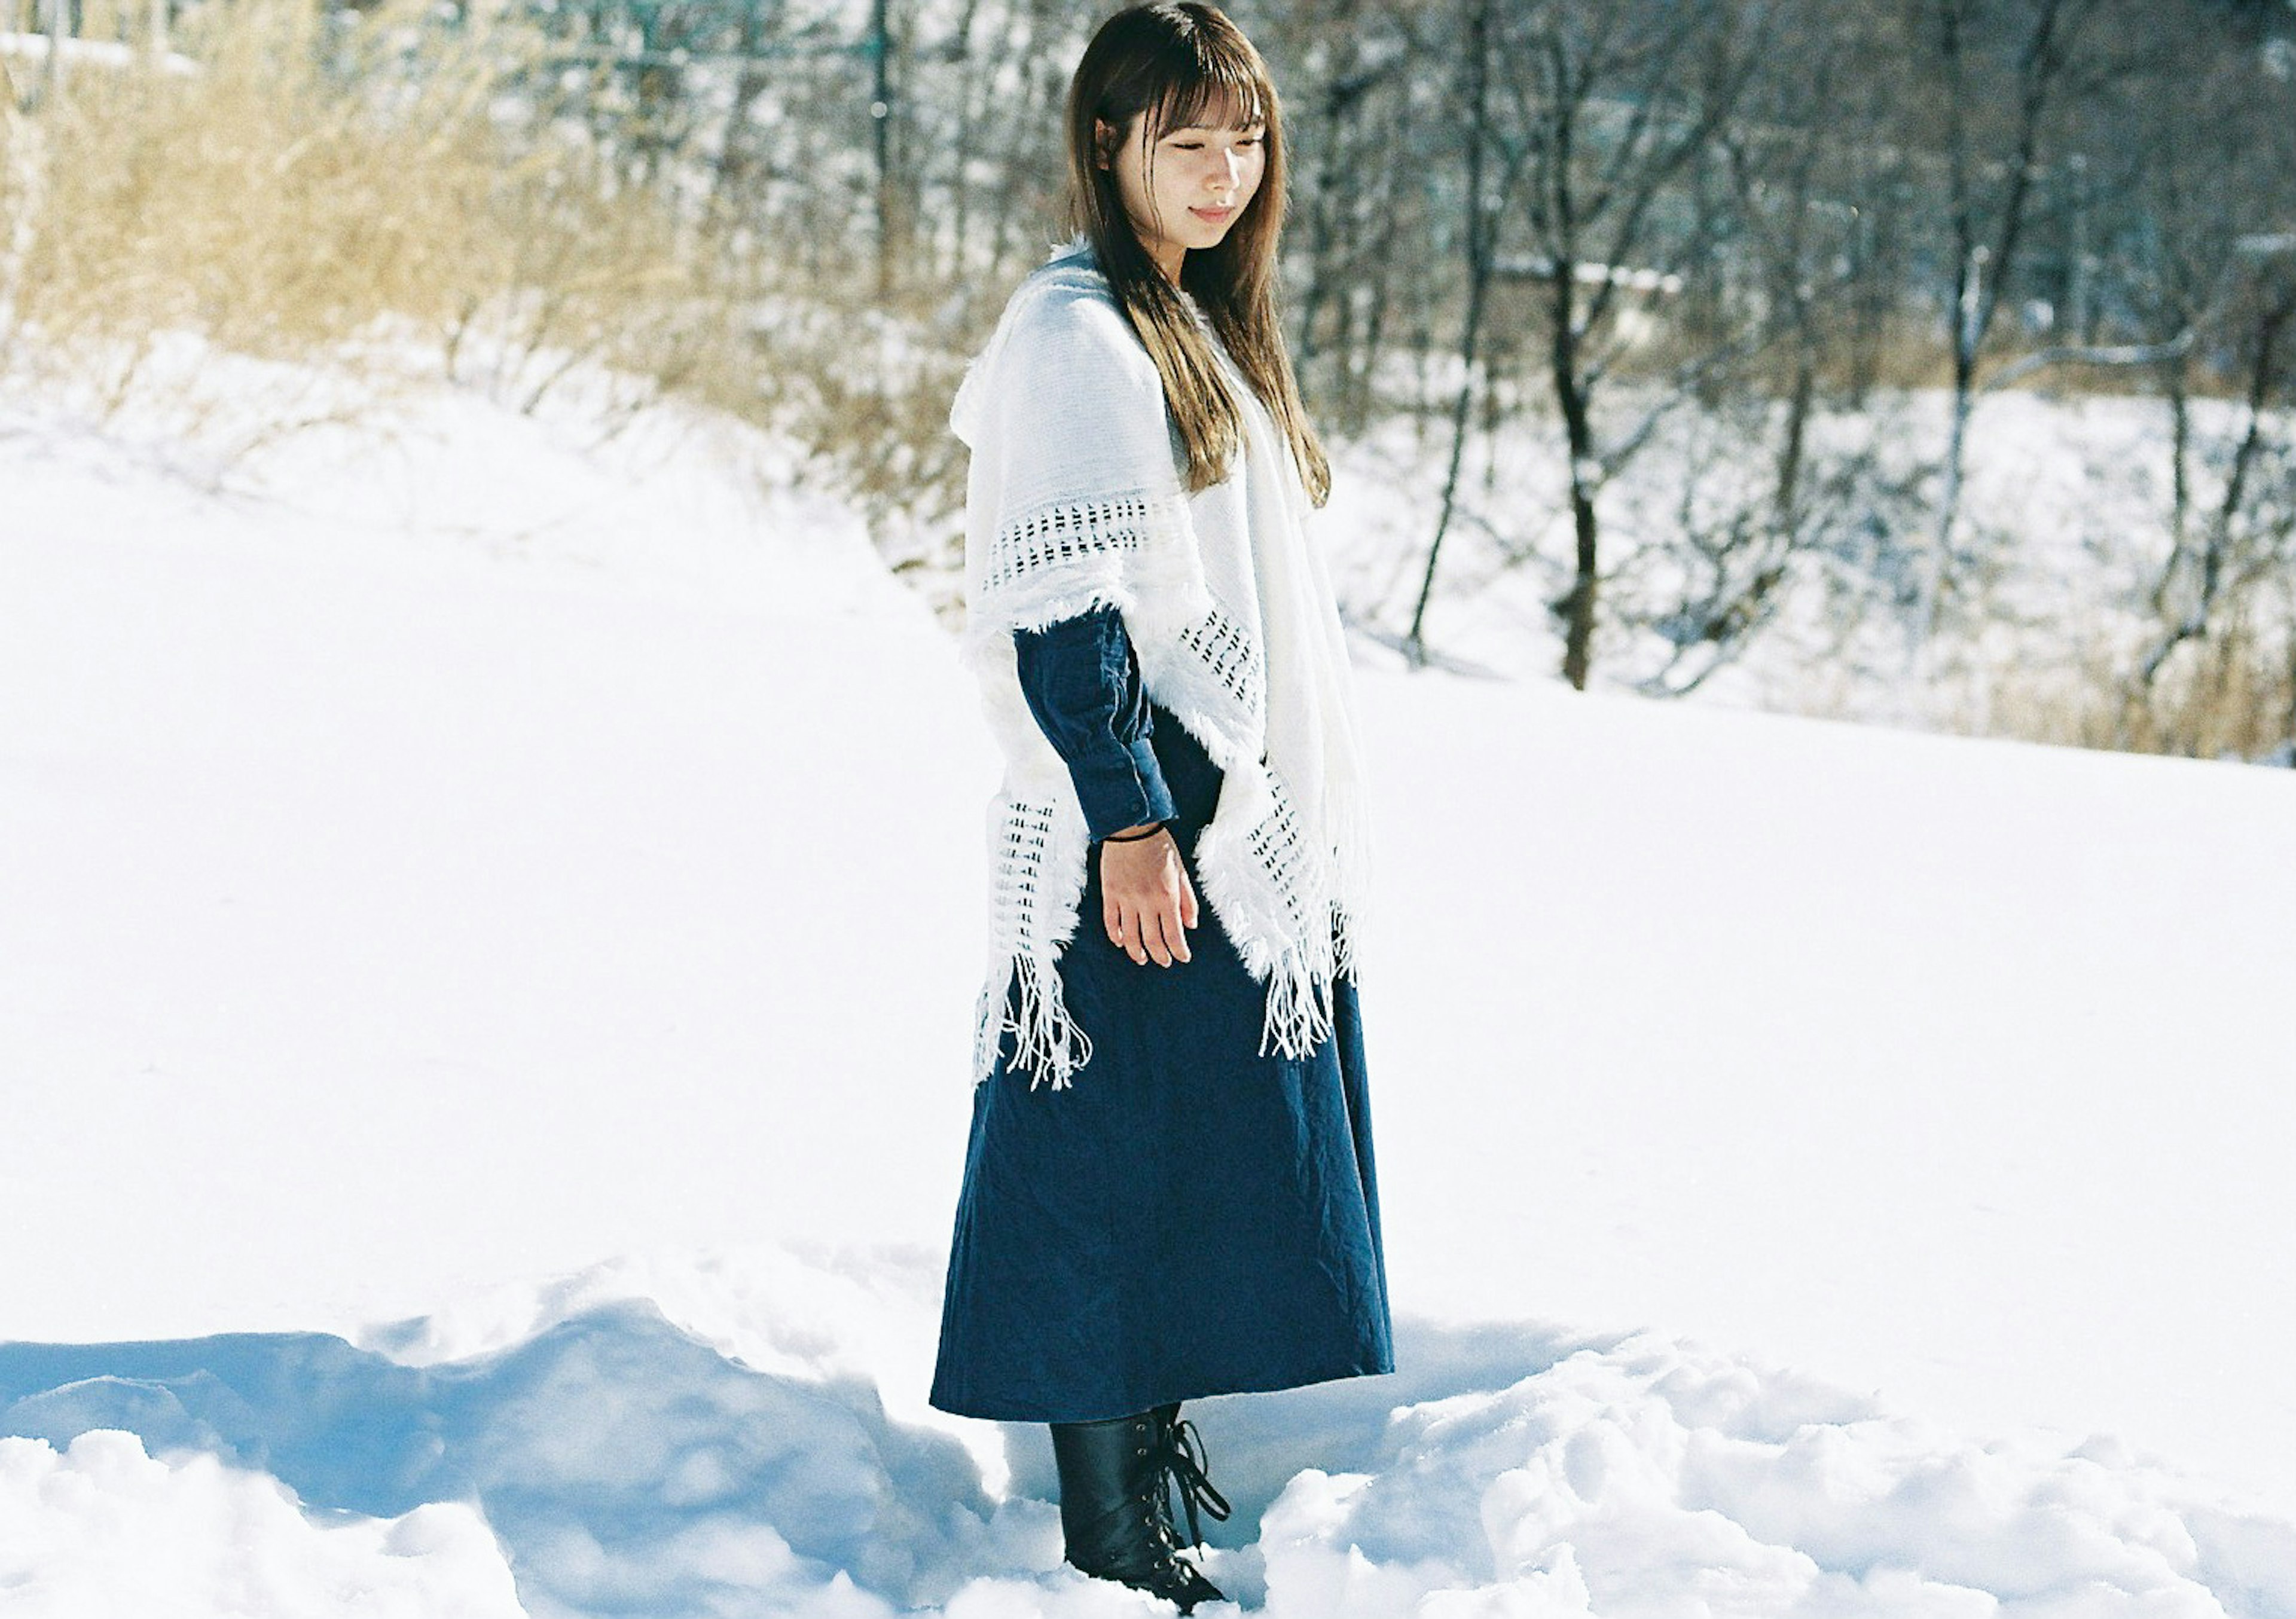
<point>1075,500</point>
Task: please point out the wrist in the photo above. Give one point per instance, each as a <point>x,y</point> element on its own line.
<point>1136,834</point>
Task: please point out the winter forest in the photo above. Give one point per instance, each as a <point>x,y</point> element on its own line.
<point>1712,342</point>
<point>480,568</point>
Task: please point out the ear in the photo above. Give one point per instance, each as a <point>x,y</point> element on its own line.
<point>1103,142</point>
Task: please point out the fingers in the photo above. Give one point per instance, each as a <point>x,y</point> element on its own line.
<point>1123,931</point>
<point>1173,941</point>
<point>1173,916</point>
<point>1155,933</point>
<point>1188,915</point>
<point>1145,928</point>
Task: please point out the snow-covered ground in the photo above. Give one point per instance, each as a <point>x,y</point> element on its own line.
<point>488,924</point>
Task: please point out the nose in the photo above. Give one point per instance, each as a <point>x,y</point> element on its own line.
<point>1228,174</point>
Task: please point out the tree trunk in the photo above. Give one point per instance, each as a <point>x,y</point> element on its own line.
<point>1985,250</point>
<point>1578,605</point>
<point>1479,276</point>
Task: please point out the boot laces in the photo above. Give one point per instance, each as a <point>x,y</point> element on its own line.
<point>1177,1462</point>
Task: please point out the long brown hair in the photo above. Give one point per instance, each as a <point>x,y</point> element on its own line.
<point>1175,63</point>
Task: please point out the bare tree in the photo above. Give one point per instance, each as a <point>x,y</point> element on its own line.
<point>1352,135</point>
<point>1757,494</point>
<point>2200,569</point>
<point>1481,218</point>
<point>2001,69</point>
<point>1615,104</point>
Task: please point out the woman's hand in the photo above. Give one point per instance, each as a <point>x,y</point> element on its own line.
<point>1146,899</point>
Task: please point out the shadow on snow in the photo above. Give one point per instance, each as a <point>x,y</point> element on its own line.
<point>629,1466</point>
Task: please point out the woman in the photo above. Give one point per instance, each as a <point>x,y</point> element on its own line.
<point>1169,1190</point>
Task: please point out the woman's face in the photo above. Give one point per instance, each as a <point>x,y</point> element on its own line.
<point>1192,187</point>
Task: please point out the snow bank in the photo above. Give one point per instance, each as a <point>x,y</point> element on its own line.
<point>1660,1479</point>
<point>630,1466</point>
<point>102,1531</point>
<point>627,1467</point>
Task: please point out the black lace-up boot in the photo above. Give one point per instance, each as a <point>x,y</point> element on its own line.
<point>1115,1514</point>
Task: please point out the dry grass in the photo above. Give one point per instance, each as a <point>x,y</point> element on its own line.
<point>2232,696</point>
<point>322,185</point>
<point>377,199</point>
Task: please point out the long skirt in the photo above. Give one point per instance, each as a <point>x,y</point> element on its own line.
<point>1188,1217</point>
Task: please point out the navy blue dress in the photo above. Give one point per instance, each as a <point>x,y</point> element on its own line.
<point>1188,1217</point>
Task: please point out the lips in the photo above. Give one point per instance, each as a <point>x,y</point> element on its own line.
<point>1214,215</point>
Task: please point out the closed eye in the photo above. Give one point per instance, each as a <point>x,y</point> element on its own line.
<point>1190,143</point>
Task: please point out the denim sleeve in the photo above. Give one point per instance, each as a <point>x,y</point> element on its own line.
<point>1082,681</point>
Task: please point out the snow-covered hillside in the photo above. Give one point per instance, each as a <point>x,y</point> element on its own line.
<point>488,924</point>
<point>2063,538</point>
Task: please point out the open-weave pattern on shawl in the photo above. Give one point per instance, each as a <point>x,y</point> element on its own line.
<point>1230,657</point>
<point>1272,888</point>
<point>1075,501</point>
<point>1064,535</point>
<point>1065,556</point>
<point>1032,898</point>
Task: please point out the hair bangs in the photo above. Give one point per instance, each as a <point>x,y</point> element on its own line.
<point>1211,89</point>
